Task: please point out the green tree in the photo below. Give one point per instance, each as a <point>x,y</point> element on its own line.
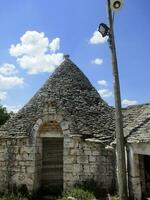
<point>4,115</point>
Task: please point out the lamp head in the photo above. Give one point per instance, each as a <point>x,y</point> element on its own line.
<point>103,29</point>
<point>116,5</point>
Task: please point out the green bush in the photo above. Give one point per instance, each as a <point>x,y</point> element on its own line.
<point>93,187</point>
<point>78,194</point>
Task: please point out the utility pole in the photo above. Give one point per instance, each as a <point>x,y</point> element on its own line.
<point>120,142</point>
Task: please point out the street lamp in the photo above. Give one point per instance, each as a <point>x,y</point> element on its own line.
<point>116,5</point>
<point>120,143</point>
<point>103,29</point>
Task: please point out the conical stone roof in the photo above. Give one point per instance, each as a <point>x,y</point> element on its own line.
<point>75,97</point>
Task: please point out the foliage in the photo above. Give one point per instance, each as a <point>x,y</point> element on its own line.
<point>93,187</point>
<point>4,115</point>
<point>112,197</point>
<point>13,197</point>
<point>78,194</point>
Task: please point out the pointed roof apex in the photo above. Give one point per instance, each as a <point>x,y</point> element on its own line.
<point>66,56</point>
<point>74,97</point>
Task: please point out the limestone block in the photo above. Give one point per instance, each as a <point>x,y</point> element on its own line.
<point>17,150</point>
<point>8,142</point>
<point>18,177</point>
<point>77,168</point>
<point>22,163</point>
<point>31,176</point>
<point>87,152</point>
<point>19,157</point>
<point>74,152</point>
<point>82,159</point>
<point>95,153</point>
<point>29,163</point>
<point>59,118</point>
<point>76,144</point>
<point>39,122</point>
<point>27,149</point>
<point>3,156</point>
<point>23,142</point>
<point>87,169</point>
<point>1,150</point>
<point>45,118</point>
<point>68,140</point>
<point>24,155</point>
<point>103,159</point>
<point>23,169</point>
<point>68,168</point>
<point>93,168</point>
<point>16,163</point>
<point>66,151</point>
<point>69,183</point>
<point>16,169</point>
<point>70,144</point>
<point>29,182</point>
<point>70,159</point>
<point>85,146</point>
<point>102,169</point>
<point>66,133</point>
<point>31,156</point>
<point>64,125</point>
<point>36,127</point>
<point>92,159</point>
<point>68,176</point>
<point>52,110</point>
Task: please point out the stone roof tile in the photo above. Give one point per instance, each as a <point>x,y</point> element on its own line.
<point>75,97</point>
<point>137,123</point>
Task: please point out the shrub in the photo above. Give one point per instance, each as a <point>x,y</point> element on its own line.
<point>78,194</point>
<point>93,187</point>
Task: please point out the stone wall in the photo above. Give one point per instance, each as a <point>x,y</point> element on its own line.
<point>136,169</point>
<point>17,164</point>
<point>21,156</point>
<point>88,161</point>
<point>21,163</point>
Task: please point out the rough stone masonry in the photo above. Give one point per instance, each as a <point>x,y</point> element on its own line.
<point>67,108</point>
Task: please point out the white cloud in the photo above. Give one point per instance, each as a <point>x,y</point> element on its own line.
<point>55,45</point>
<point>3,95</point>
<point>102,82</point>
<point>12,108</point>
<point>105,93</point>
<point>8,82</point>
<point>97,61</point>
<point>32,43</point>
<point>127,102</point>
<point>8,69</point>
<point>43,63</point>
<point>8,79</point>
<point>32,53</point>
<point>97,38</point>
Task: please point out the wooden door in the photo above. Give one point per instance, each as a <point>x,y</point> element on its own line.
<point>52,165</point>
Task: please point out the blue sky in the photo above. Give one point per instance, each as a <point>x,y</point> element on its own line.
<point>34,35</point>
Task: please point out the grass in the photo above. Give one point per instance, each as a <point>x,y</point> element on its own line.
<point>13,197</point>
<point>78,194</point>
<point>72,194</point>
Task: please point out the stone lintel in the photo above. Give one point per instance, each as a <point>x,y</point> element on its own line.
<point>93,140</point>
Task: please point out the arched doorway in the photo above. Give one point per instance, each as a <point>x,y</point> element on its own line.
<point>52,157</point>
